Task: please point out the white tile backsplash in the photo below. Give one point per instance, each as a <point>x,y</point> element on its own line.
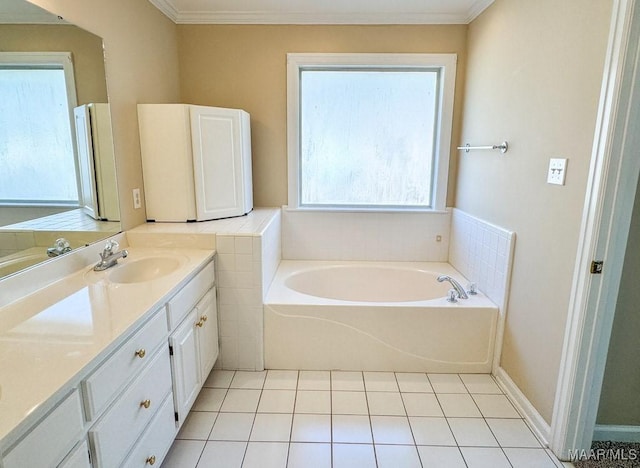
<point>482,252</point>
<point>410,236</point>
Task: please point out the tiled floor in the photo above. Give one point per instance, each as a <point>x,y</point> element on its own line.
<point>336,419</point>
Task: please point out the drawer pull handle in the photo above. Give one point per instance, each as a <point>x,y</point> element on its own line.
<point>141,353</point>
<point>151,460</point>
<point>145,403</point>
<point>200,323</point>
<point>204,318</point>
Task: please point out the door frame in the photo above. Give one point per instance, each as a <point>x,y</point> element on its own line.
<point>613,178</point>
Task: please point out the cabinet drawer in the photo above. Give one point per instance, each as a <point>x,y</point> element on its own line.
<point>182,303</point>
<point>78,458</point>
<point>122,424</point>
<point>128,361</point>
<point>51,439</point>
<point>155,442</point>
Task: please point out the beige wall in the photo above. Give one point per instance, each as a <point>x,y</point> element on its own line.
<point>86,49</point>
<point>141,65</point>
<point>245,67</point>
<point>619,403</point>
<point>535,70</point>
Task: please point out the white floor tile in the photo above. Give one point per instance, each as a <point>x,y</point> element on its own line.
<point>380,382</point>
<point>277,401</point>
<point>232,426</point>
<point>222,455</point>
<point>480,383</point>
<point>281,380</point>
<point>447,383</point>
<point>441,457</point>
<point>482,457</point>
<point>314,380</point>
<point>495,406</point>
<point>431,431</point>
<point>391,430</point>
<point>529,458</point>
<point>311,428</point>
<point>313,401</point>
<point>219,379</point>
<point>413,382</point>
<point>351,429</point>
<point>349,403</point>
<point>458,405</point>
<point>241,401</point>
<point>394,456</point>
<point>270,427</point>
<point>266,455</point>
<point>302,455</point>
<point>472,432</point>
<point>385,404</point>
<point>349,381</point>
<point>422,404</point>
<point>183,454</point>
<point>247,379</point>
<point>513,433</point>
<point>209,399</point>
<point>197,426</point>
<point>353,455</point>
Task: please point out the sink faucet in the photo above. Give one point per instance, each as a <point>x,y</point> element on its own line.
<point>109,256</point>
<point>60,246</point>
<point>462,294</point>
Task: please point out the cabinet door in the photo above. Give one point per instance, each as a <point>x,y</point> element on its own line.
<point>220,173</point>
<point>186,375</point>
<point>78,458</point>
<point>84,145</point>
<point>207,332</point>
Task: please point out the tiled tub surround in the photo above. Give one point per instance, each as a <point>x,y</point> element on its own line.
<point>65,319</point>
<point>249,251</point>
<point>366,236</point>
<point>323,419</point>
<point>353,316</point>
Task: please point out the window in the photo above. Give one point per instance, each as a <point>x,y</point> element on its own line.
<point>37,157</point>
<point>369,131</point>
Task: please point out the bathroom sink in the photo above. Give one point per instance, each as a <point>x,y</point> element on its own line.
<point>145,269</point>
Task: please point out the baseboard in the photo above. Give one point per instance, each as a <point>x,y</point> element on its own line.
<point>536,422</point>
<point>617,433</point>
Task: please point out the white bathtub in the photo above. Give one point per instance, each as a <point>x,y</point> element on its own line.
<point>376,316</point>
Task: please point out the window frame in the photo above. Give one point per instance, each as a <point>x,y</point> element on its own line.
<point>446,65</point>
<point>41,60</point>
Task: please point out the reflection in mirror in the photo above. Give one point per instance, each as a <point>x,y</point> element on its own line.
<point>57,165</point>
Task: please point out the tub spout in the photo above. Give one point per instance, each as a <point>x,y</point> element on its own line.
<point>462,294</point>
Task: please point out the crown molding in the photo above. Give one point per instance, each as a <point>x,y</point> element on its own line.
<point>291,17</point>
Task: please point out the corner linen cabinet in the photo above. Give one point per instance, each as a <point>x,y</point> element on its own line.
<point>196,162</point>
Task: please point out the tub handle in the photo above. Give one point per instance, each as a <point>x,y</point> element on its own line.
<point>473,289</point>
<point>453,296</point>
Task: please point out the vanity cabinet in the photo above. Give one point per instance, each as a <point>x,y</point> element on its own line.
<point>194,341</point>
<point>125,409</point>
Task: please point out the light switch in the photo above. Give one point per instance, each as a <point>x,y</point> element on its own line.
<point>557,171</point>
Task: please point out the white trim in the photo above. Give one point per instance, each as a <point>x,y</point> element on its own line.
<point>169,9</point>
<point>536,422</point>
<point>609,199</point>
<point>617,433</point>
<point>446,63</point>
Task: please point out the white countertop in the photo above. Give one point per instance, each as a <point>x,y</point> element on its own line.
<point>48,338</point>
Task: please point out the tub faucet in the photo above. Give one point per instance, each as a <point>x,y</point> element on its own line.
<point>109,256</point>
<point>462,294</point>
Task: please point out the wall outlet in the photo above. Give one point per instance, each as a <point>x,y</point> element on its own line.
<point>557,171</point>
<point>136,198</point>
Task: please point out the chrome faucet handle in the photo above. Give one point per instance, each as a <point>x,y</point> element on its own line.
<point>473,289</point>
<point>453,296</point>
<point>110,248</point>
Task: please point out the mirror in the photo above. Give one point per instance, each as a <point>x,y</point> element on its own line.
<point>36,210</point>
